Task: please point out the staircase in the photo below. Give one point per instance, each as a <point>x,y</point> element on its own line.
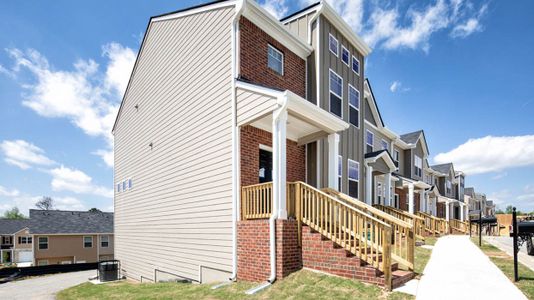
<point>416,221</point>
<point>353,241</point>
<point>434,225</point>
<point>458,226</point>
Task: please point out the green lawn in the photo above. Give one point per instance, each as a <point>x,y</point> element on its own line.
<point>422,256</point>
<point>506,263</point>
<point>299,285</point>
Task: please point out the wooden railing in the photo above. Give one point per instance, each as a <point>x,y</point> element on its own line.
<point>435,225</point>
<point>358,232</point>
<point>416,221</point>
<point>256,201</point>
<point>460,226</point>
<point>403,239</point>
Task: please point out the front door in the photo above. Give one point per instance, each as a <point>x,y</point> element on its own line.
<point>266,166</point>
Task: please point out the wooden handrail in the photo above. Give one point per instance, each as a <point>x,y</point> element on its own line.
<point>416,221</point>
<point>403,240</point>
<point>460,226</point>
<point>434,224</point>
<point>256,201</point>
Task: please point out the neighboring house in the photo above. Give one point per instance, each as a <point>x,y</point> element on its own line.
<point>450,185</point>
<point>57,237</point>
<point>412,152</point>
<point>15,242</point>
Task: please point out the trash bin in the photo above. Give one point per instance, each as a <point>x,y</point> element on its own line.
<point>108,270</point>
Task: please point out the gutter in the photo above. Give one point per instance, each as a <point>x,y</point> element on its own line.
<point>240,7</point>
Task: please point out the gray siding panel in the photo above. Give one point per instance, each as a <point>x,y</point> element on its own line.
<point>178,215</point>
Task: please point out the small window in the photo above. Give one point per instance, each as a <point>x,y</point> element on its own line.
<point>43,243</point>
<point>275,59</point>
<point>354,177</point>
<point>124,185</point>
<point>333,44</point>
<point>129,183</point>
<point>384,145</point>
<point>418,166</point>
<point>397,200</point>
<point>336,94</point>
<point>354,106</point>
<point>355,65</point>
<point>345,55</point>
<point>396,156</point>
<point>29,240</point>
<point>379,192</point>
<point>369,140</point>
<point>339,171</point>
<point>88,242</point>
<point>104,241</point>
<point>118,187</point>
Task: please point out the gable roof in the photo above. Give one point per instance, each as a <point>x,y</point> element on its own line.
<point>413,137</point>
<point>373,104</point>
<point>443,168</point>
<point>70,222</point>
<point>10,226</point>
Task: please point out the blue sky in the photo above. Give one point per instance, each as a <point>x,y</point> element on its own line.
<point>461,70</point>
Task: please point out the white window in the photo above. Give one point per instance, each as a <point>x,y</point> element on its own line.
<point>124,185</point>
<point>336,94</point>
<point>333,45</point>
<point>118,187</point>
<point>448,186</point>
<point>396,156</point>
<point>354,106</point>
<point>25,239</point>
<point>355,65</point>
<point>354,177</point>
<point>369,140</point>
<point>418,166</point>
<point>345,55</point>
<point>339,171</point>
<point>43,242</point>
<point>129,183</point>
<point>384,145</point>
<point>396,200</point>
<point>275,59</point>
<point>104,241</point>
<point>88,242</point>
<point>379,192</point>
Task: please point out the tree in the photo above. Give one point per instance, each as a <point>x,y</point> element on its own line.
<point>499,212</point>
<point>509,209</point>
<point>94,210</point>
<point>14,214</point>
<point>46,203</point>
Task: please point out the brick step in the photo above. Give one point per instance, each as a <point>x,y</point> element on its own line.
<point>400,277</point>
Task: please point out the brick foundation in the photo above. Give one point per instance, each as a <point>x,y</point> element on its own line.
<point>251,138</point>
<point>253,251</point>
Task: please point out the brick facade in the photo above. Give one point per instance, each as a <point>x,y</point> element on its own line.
<point>403,199</point>
<point>251,138</point>
<point>253,61</point>
<point>441,210</point>
<point>253,251</point>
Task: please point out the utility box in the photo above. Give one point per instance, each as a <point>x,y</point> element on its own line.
<point>108,270</point>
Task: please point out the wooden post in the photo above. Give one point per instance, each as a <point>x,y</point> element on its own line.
<point>298,209</point>
<point>387,258</point>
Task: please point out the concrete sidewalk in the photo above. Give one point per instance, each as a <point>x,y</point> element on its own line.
<point>460,270</point>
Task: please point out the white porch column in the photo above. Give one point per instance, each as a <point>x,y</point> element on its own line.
<point>387,193</point>
<point>279,163</point>
<point>369,185</point>
<point>461,212</point>
<point>447,208</point>
<point>422,201</point>
<point>333,160</point>
<point>410,198</point>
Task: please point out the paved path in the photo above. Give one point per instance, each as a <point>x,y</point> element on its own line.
<point>459,270</point>
<point>506,244</point>
<point>44,287</point>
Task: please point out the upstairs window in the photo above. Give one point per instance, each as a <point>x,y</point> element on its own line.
<point>418,166</point>
<point>345,55</point>
<point>118,187</point>
<point>43,243</point>
<point>129,183</point>
<point>396,156</point>
<point>339,171</point>
<point>333,45</point>
<point>354,177</point>
<point>88,242</point>
<point>336,94</point>
<point>369,139</point>
<point>275,60</point>
<point>354,106</point>
<point>355,65</point>
<point>384,144</point>
<point>379,192</point>
<point>104,241</point>
<point>124,186</point>
<point>448,186</point>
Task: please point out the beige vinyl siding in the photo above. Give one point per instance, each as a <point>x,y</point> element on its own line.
<point>252,105</point>
<point>178,215</point>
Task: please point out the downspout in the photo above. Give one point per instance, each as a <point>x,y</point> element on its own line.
<point>240,7</point>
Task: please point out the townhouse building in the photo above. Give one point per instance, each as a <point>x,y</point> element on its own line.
<point>57,237</point>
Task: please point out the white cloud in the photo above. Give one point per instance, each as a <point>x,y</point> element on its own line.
<point>73,180</point>
<point>68,203</point>
<point>491,154</point>
<point>8,193</point>
<point>107,156</point>
<point>499,176</point>
<point>277,8</point>
<point>24,155</point>
<point>471,25</point>
<point>84,95</point>
<point>26,202</point>
<point>396,86</point>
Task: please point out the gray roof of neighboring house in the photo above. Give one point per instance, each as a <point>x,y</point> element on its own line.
<point>9,226</point>
<point>469,191</point>
<point>69,222</point>
<point>412,137</point>
<point>443,168</point>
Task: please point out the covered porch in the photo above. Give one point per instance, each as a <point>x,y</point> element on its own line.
<point>379,166</point>
<point>414,193</point>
